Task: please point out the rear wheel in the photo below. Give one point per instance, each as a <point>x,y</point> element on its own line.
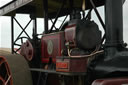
<point>14,70</point>
<point>5,75</point>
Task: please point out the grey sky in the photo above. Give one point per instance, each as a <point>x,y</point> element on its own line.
<point>5,31</point>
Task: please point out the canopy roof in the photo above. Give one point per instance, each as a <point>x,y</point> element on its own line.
<point>36,6</point>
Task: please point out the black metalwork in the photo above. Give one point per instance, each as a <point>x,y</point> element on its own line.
<point>89,14</point>
<point>20,37</point>
<point>100,19</point>
<point>56,18</point>
<point>35,25</point>
<point>15,44</point>
<point>58,73</point>
<point>34,34</point>
<point>98,15</point>
<point>52,23</point>
<point>45,9</point>
<point>23,29</point>
<point>12,35</point>
<point>113,63</point>
<point>71,6</point>
<point>114,23</point>
<point>63,22</point>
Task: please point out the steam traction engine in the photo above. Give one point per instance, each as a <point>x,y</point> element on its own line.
<point>74,54</point>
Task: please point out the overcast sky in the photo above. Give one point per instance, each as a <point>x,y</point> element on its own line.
<point>5,29</point>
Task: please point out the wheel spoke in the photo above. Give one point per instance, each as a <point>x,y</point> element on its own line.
<point>5,75</point>
<point>9,78</point>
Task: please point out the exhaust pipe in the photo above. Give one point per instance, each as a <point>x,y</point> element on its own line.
<point>114,25</point>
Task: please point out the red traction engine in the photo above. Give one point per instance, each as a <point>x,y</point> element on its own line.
<point>78,48</point>
<point>67,50</point>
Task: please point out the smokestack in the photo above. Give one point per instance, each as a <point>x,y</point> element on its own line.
<point>114,25</point>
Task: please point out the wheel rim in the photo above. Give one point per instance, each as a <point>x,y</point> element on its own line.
<point>5,75</point>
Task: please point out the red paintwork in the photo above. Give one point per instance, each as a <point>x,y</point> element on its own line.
<point>63,65</point>
<point>3,62</point>
<point>27,50</point>
<point>58,44</point>
<point>68,64</point>
<point>113,81</point>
